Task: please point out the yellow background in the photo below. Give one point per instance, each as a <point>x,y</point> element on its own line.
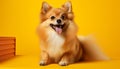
<point>19,18</point>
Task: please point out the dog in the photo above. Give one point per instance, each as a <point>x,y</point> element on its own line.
<point>58,40</point>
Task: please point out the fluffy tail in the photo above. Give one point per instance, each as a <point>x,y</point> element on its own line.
<point>90,49</point>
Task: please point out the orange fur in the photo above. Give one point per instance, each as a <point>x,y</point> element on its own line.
<point>64,48</point>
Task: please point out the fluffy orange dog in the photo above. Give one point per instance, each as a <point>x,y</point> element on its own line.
<point>59,42</point>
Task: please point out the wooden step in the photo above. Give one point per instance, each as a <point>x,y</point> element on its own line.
<point>2,42</point>
<point>7,46</point>
<point>3,52</point>
<point>7,38</point>
<point>7,56</point>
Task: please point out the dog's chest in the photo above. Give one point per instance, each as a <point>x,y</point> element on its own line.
<point>55,42</point>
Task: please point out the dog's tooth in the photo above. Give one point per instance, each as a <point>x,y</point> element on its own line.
<point>54,26</point>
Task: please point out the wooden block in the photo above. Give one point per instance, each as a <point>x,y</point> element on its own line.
<point>7,47</point>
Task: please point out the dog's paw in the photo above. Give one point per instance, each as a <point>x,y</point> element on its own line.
<point>63,63</point>
<point>43,63</point>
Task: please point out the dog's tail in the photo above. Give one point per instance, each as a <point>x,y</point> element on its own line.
<point>90,49</point>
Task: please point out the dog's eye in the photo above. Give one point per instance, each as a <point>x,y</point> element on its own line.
<point>52,17</point>
<point>63,17</point>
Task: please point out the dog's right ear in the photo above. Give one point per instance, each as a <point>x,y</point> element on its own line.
<point>45,7</point>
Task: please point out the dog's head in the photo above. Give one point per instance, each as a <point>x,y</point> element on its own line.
<point>56,18</point>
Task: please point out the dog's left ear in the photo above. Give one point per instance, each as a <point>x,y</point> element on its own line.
<point>68,6</point>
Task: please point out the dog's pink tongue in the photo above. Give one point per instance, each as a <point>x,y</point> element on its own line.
<point>58,30</point>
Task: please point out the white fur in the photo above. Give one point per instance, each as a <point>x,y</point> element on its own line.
<point>56,42</point>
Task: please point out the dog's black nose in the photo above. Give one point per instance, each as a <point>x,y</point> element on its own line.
<point>58,21</point>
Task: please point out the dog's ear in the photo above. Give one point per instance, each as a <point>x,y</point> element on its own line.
<point>68,6</point>
<point>45,7</point>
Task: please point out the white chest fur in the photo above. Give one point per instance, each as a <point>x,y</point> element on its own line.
<point>55,42</point>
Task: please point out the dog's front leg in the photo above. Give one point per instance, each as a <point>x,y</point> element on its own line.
<point>66,59</point>
<point>44,58</point>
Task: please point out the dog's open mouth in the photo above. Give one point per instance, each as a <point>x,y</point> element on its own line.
<point>58,28</point>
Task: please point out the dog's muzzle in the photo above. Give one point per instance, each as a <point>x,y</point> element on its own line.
<point>58,28</point>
